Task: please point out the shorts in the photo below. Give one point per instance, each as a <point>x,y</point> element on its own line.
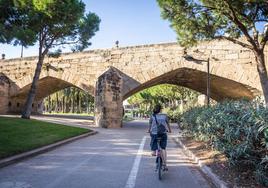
<point>163,141</point>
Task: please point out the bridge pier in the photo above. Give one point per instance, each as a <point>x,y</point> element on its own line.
<point>14,105</point>
<point>109,100</point>
<point>4,94</point>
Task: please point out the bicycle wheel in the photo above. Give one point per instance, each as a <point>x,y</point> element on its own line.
<point>159,168</point>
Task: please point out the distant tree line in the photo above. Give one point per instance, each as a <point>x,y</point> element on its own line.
<point>171,97</point>
<point>69,100</point>
<point>75,100</point>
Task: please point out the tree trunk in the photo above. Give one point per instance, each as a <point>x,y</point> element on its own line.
<point>60,105</point>
<point>68,104</point>
<point>78,104</point>
<point>72,104</point>
<point>31,95</point>
<point>87,103</point>
<point>49,104</point>
<point>63,104</point>
<point>262,74</point>
<point>57,103</point>
<point>21,54</point>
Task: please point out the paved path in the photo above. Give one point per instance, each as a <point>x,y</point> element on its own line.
<point>114,158</point>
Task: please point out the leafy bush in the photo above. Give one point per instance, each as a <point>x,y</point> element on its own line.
<point>174,115</point>
<point>239,129</point>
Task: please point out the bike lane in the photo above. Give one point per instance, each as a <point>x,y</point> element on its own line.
<point>182,172</point>
<point>114,158</point>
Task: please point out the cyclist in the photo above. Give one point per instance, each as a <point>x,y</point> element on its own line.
<point>155,120</point>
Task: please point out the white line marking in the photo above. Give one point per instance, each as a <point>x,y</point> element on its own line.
<point>135,168</point>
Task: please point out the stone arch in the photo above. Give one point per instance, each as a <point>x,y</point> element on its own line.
<point>47,84</point>
<point>221,88</point>
<point>52,82</point>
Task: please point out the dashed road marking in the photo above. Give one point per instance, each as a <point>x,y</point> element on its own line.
<point>135,168</point>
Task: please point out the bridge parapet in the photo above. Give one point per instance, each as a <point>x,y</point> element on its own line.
<point>233,70</point>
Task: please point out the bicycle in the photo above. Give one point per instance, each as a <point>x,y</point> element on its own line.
<point>159,159</point>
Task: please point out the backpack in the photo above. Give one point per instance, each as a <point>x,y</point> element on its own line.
<point>161,129</point>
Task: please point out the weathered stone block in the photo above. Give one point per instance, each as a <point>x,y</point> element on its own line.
<point>244,55</point>
<point>231,56</point>
<point>109,99</point>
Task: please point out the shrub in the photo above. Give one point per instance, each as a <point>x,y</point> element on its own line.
<point>239,129</point>
<point>174,115</point>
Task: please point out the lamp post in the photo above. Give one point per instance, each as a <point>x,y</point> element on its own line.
<point>208,83</point>
<point>190,58</point>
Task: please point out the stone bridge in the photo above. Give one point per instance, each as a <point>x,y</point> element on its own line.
<point>112,75</point>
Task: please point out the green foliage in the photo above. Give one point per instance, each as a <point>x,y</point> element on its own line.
<point>236,128</point>
<point>50,22</point>
<point>196,20</point>
<point>69,100</point>
<point>167,95</point>
<point>174,115</point>
<point>12,26</point>
<point>55,54</point>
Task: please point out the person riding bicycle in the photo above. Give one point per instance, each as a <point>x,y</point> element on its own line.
<point>157,120</point>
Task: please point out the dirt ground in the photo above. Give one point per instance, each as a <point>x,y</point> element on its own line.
<point>234,177</point>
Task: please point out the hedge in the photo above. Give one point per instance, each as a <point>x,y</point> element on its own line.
<point>239,129</point>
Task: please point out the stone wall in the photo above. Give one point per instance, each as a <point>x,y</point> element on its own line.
<point>233,70</point>
<point>16,106</point>
<point>4,94</point>
<point>140,65</point>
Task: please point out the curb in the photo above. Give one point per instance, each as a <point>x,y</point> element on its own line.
<point>16,158</point>
<point>204,168</point>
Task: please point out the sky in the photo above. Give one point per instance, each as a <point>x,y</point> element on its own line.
<point>131,22</point>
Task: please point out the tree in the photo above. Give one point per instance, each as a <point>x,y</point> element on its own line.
<point>197,20</point>
<point>165,94</point>
<point>50,23</point>
<point>12,27</point>
<point>69,100</point>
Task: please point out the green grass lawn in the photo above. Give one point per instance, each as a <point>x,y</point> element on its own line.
<point>20,135</point>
